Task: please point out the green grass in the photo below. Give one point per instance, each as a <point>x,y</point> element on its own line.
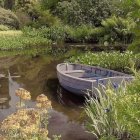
<point>13,40</point>
<point>11,33</point>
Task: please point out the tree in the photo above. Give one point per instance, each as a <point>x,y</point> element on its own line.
<point>77,12</point>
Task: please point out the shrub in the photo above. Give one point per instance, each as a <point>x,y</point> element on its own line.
<point>114,60</point>
<point>77,12</point>
<point>118,30</point>
<point>80,34</point>
<point>46,18</point>
<point>38,16</point>
<point>23,17</point>
<point>8,18</point>
<point>49,4</point>
<point>1,3</point>
<point>133,12</point>
<point>4,28</point>
<point>135,47</point>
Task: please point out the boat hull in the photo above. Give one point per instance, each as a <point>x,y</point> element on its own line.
<point>81,86</point>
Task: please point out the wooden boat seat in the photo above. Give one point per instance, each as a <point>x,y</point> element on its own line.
<point>74,71</point>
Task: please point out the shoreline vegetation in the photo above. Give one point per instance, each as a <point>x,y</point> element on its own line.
<point>110,27</point>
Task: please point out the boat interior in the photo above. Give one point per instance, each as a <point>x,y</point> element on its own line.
<point>88,72</point>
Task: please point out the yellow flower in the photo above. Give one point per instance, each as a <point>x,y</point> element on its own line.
<point>44,132</point>
<point>41,98</point>
<point>46,104</point>
<point>24,94</point>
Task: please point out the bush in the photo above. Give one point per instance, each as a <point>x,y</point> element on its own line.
<point>80,34</point>
<point>4,28</point>
<point>77,12</point>
<point>118,30</point>
<point>133,12</point>
<point>1,3</point>
<point>8,18</point>
<point>46,19</point>
<point>38,16</point>
<point>49,4</point>
<point>23,17</point>
<point>114,60</point>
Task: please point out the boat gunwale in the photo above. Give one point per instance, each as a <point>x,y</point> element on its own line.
<point>88,80</point>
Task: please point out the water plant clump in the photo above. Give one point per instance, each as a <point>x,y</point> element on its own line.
<point>112,60</point>
<point>23,95</point>
<point>27,123</point>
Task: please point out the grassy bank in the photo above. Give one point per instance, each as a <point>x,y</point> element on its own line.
<point>13,40</point>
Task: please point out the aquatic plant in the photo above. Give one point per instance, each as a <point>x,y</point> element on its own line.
<point>29,123</point>
<point>112,60</point>
<point>23,95</point>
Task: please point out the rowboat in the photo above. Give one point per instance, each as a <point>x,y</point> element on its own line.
<point>79,79</point>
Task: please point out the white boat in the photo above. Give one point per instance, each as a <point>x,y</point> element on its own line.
<point>78,78</point>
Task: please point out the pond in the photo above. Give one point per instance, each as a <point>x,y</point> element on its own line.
<point>38,75</point>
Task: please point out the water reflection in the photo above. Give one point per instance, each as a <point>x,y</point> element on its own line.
<point>4,93</point>
<point>38,75</point>
<point>63,96</point>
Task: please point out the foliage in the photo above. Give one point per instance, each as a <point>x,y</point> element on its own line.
<point>11,33</point>
<point>29,38</point>
<point>133,12</point>
<point>54,33</point>
<point>1,3</point>
<point>81,33</point>
<point>22,42</point>
<point>77,12</point>
<point>113,60</point>
<point>23,17</point>
<point>28,123</point>
<point>102,119</point>
<point>38,15</point>
<point>118,30</point>
<point>49,4</point>
<point>4,28</point>
<point>117,112</point>
<point>8,18</point>
<point>128,108</point>
<point>45,18</point>
<point>135,46</point>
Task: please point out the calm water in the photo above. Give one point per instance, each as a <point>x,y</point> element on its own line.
<point>38,75</point>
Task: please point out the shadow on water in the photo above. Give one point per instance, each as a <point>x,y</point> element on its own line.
<point>63,96</point>
<point>38,75</point>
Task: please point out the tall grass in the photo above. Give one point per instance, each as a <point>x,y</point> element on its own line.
<point>116,114</point>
